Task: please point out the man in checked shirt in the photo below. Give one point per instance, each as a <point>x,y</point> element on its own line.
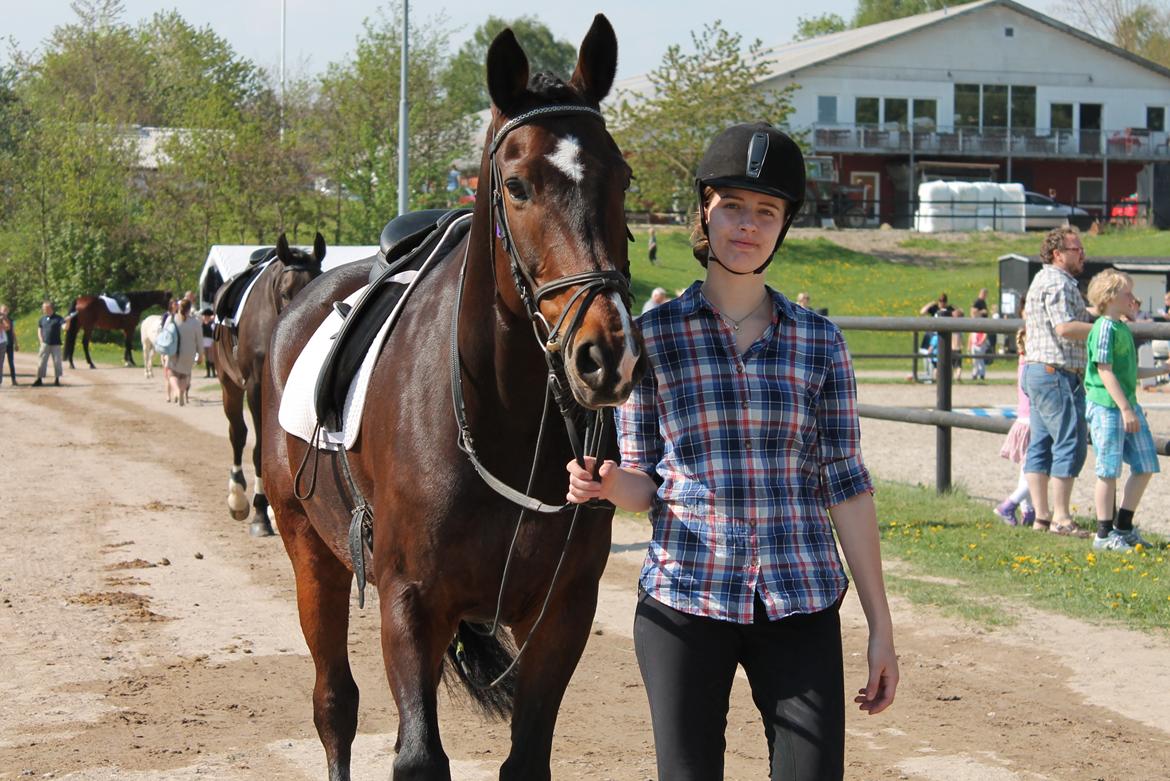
<point>1057,324</point>
<point>743,443</point>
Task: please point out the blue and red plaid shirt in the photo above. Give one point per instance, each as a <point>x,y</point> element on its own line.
<point>750,452</point>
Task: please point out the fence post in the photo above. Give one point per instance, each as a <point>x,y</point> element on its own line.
<point>914,360</point>
<point>942,437</point>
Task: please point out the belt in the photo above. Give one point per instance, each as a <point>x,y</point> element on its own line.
<point>1052,368</point>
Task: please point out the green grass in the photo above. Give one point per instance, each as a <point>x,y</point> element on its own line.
<point>953,536</point>
<point>988,247</point>
<point>951,599</point>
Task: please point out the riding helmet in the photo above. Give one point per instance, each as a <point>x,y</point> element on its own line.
<point>754,156</point>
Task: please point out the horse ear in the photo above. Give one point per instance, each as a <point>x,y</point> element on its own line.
<point>596,61</point>
<point>319,248</point>
<point>282,250</point>
<point>507,71</point>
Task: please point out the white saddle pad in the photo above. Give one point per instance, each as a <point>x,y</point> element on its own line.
<point>114,307</point>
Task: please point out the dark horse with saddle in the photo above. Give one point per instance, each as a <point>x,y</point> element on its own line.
<point>504,359</point>
<point>90,312</point>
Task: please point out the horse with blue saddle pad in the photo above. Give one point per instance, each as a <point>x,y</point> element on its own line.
<point>512,339</point>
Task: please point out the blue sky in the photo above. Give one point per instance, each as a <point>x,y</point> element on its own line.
<point>322,31</point>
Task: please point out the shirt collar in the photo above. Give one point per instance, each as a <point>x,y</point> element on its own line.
<point>692,300</point>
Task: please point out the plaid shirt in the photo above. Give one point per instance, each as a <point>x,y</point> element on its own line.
<point>1054,299</point>
<point>749,451</point>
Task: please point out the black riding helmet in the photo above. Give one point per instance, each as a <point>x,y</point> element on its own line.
<point>754,156</point>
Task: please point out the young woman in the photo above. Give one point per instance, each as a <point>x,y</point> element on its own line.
<point>742,442</point>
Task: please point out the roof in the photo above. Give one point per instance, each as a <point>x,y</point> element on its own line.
<point>788,58</point>
<point>1159,265</point>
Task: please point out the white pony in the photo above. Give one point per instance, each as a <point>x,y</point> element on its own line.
<point>149,330</point>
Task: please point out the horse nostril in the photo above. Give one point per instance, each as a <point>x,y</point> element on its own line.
<point>589,361</point>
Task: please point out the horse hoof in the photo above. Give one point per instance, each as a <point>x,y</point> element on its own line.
<point>260,529</point>
<point>240,515</point>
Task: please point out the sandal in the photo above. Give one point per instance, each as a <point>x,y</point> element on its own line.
<point>1069,529</point>
<point>1041,525</point>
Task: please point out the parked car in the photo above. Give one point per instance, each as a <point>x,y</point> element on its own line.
<point>1042,213</point>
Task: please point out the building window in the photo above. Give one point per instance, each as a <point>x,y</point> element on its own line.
<point>1023,107</point>
<point>1155,118</point>
<point>995,100</point>
<point>925,114</point>
<point>827,109</point>
<point>897,111</point>
<point>1062,116</point>
<point>967,105</point>
<point>1090,192</point>
<point>866,111</point>
<point>1009,32</point>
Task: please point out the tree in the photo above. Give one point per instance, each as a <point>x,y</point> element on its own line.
<point>816,26</point>
<point>693,95</point>
<point>1138,26</point>
<point>874,11</point>
<point>465,80</point>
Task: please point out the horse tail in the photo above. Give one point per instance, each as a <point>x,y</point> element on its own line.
<point>478,659</point>
<point>71,329</point>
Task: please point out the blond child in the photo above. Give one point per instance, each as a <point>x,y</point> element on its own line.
<point>1117,424</point>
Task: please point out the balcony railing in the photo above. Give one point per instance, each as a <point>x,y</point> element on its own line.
<point>1125,144</point>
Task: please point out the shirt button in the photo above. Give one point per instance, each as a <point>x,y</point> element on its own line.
<point>746,403</point>
<point>747,444</point>
<point>739,368</point>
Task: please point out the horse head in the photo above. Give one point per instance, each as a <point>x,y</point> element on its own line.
<point>557,192</point>
<point>300,268</point>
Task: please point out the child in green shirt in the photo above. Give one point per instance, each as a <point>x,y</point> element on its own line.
<point>1117,424</point>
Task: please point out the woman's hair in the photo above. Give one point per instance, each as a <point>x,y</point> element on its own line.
<point>1055,240</point>
<point>1106,286</point>
<point>1021,340</point>
<point>700,245</point>
<point>184,309</point>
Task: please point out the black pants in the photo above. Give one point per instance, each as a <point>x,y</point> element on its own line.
<point>9,349</point>
<point>795,671</point>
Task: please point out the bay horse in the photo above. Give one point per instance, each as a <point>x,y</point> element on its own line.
<point>459,386</point>
<point>241,349</point>
<point>90,312</point>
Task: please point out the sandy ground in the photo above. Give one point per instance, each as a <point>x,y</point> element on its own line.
<point>145,636</point>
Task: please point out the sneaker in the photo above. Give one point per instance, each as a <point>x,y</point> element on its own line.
<point>1132,538</point>
<point>1114,542</point>
<point>1029,516</point>
<point>37,384</point>
<point>1007,512</point>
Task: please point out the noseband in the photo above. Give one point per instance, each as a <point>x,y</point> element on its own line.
<point>553,339</point>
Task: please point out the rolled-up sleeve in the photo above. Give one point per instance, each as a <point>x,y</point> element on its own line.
<point>842,471</point>
<point>636,421</point>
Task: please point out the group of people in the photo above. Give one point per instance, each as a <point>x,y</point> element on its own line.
<point>979,344</point>
<point>1078,374</point>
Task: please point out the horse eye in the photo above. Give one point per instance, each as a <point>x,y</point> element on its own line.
<point>516,190</point>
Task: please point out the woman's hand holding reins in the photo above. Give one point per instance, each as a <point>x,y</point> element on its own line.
<point>629,489</point>
<point>582,486</point>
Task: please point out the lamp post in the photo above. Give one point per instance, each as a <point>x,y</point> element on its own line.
<point>403,111</point>
<point>283,3</point>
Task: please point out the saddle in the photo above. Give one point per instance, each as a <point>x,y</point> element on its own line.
<point>407,243</point>
<point>117,303</point>
<point>228,303</point>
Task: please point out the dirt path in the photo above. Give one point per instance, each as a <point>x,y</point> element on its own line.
<point>144,636</point>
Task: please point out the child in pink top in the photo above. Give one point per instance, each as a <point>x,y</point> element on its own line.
<point>1015,448</point>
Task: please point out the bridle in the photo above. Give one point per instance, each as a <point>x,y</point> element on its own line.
<point>554,339</point>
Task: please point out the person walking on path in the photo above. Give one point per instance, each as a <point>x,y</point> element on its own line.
<point>49,333</point>
<point>743,443</point>
<point>1015,449</point>
<point>1118,425</point>
<point>188,353</point>
<point>652,248</point>
<point>1057,325</point>
<point>7,344</point>
<point>208,326</point>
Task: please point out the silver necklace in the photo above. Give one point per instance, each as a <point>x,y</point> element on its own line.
<point>735,324</point>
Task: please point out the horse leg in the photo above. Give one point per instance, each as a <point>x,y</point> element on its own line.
<point>412,650</point>
<point>148,358</point>
<point>261,525</point>
<point>323,589</point>
<point>85,345</point>
<point>543,675</point>
<point>128,358</point>
<point>233,409</point>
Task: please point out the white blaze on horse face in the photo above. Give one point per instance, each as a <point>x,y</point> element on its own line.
<point>630,355</point>
<point>567,158</point>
